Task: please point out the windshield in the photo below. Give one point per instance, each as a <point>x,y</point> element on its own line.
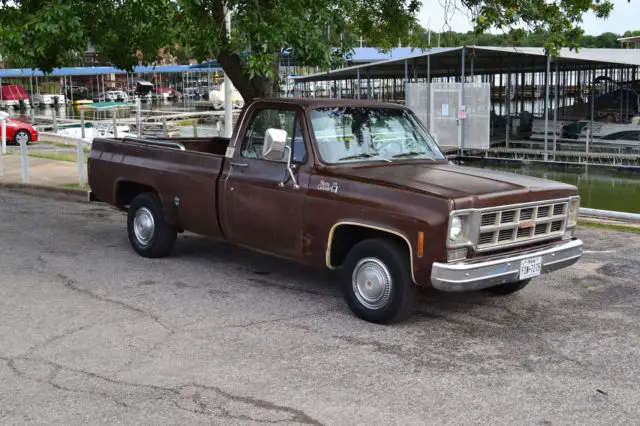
<point>356,134</point>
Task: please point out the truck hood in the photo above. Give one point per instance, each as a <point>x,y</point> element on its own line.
<point>467,187</point>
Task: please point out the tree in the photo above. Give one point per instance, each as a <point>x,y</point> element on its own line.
<point>47,33</point>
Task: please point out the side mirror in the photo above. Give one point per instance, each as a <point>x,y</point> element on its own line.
<point>275,142</point>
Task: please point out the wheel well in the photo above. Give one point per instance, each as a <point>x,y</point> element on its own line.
<point>127,191</point>
<point>346,236</point>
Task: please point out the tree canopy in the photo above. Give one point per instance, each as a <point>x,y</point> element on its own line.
<point>49,33</point>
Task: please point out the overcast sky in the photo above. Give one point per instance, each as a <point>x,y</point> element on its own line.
<point>624,17</point>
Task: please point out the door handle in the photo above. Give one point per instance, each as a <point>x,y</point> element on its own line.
<point>239,164</point>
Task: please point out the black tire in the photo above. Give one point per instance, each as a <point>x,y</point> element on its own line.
<point>401,293</point>
<point>161,237</point>
<point>21,132</point>
<point>505,289</point>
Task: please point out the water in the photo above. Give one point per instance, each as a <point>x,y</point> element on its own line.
<point>600,187</point>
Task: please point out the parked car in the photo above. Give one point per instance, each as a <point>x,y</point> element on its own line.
<point>19,131</point>
<point>352,186</point>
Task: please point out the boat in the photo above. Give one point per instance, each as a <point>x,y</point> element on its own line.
<point>166,93</point>
<point>114,96</point>
<point>13,95</point>
<point>143,90</point>
<point>92,131</point>
<point>46,99</point>
<point>217,97</point>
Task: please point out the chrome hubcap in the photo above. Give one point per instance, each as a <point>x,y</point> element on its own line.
<point>22,137</point>
<point>372,283</point>
<point>143,226</point>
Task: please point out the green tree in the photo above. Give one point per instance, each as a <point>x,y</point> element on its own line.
<point>320,33</point>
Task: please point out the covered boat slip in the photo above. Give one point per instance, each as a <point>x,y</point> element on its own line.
<point>477,97</point>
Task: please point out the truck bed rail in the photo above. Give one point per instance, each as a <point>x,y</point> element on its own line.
<point>166,143</point>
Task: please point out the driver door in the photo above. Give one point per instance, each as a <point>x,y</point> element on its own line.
<point>260,213</point>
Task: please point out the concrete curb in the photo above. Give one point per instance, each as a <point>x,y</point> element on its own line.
<point>72,194</point>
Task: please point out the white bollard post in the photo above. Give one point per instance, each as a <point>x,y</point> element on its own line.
<point>55,121</point>
<point>80,157</point>
<point>3,151</point>
<point>82,130</point>
<point>4,134</point>
<point>23,160</point>
<point>115,125</point>
<point>138,118</point>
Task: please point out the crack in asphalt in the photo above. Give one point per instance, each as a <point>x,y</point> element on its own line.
<point>173,395</point>
<point>73,285</point>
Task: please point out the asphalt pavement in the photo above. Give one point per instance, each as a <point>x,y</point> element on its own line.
<point>90,333</point>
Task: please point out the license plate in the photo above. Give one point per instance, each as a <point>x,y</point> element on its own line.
<point>530,268</point>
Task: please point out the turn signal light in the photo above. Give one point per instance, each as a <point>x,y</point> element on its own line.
<point>420,244</point>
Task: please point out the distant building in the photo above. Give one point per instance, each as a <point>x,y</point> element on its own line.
<point>629,42</point>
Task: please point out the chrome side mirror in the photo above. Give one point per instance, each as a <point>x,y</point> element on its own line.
<point>275,142</point>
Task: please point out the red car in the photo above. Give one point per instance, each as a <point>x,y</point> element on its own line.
<point>19,131</point>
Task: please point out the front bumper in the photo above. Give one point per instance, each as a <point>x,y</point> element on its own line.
<point>472,276</point>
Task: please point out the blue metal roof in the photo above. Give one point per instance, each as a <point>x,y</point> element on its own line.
<point>360,55</point>
<point>76,71</point>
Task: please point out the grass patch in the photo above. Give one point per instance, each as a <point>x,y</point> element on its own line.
<point>57,156</point>
<point>586,224</point>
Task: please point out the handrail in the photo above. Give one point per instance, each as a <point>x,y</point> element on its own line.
<point>156,142</point>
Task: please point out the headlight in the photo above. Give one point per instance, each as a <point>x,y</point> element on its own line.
<point>456,228</point>
<point>459,230</point>
<point>574,210</point>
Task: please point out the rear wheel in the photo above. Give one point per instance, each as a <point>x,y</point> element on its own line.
<point>377,281</point>
<point>510,288</point>
<point>149,234</point>
<point>22,136</point>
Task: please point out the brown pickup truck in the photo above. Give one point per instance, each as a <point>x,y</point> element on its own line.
<point>348,185</point>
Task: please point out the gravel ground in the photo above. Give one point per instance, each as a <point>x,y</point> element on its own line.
<point>90,333</point>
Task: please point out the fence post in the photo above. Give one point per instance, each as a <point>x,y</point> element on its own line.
<point>55,121</point>
<point>138,117</point>
<point>23,160</point>
<point>3,151</point>
<point>80,158</point>
<point>82,123</point>
<point>165,131</point>
<point>4,135</point>
<point>195,127</point>
<point>115,125</point>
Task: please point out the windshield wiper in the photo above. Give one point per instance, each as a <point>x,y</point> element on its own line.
<point>364,155</point>
<point>410,154</point>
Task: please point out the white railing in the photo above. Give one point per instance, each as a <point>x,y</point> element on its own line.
<point>24,154</point>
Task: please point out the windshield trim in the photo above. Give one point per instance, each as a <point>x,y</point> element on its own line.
<point>373,160</point>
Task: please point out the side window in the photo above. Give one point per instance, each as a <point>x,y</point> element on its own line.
<point>269,118</point>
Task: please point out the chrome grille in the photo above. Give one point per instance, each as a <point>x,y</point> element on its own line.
<point>489,219</point>
<point>517,225</point>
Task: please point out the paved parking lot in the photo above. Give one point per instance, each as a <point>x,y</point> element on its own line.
<point>92,334</point>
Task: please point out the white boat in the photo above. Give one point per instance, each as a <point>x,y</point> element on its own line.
<point>92,131</point>
<point>217,98</point>
<point>602,130</point>
<point>49,99</point>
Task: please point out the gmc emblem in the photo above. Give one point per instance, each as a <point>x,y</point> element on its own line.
<point>528,224</point>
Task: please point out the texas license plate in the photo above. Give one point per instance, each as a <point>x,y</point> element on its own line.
<point>530,268</point>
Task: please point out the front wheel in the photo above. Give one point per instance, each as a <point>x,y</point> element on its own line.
<point>149,234</point>
<point>22,136</point>
<point>377,281</point>
<point>505,289</point>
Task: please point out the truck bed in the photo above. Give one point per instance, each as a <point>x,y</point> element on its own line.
<point>183,172</point>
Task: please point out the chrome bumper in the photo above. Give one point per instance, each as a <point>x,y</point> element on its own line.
<point>471,276</point>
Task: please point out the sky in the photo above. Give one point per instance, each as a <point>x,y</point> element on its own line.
<point>625,16</point>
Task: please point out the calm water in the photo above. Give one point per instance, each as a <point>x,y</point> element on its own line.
<point>600,187</point>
